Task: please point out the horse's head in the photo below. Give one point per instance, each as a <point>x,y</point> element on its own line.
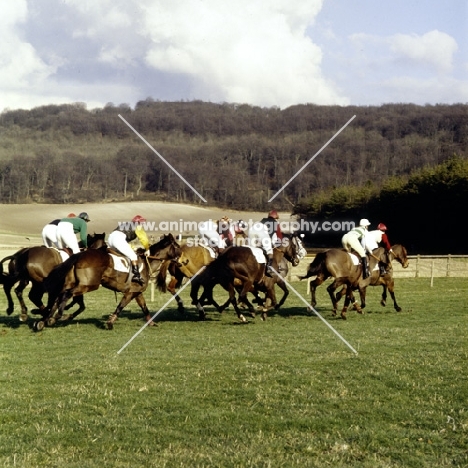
<point>165,249</point>
<point>400,255</point>
<point>96,241</point>
<point>293,249</point>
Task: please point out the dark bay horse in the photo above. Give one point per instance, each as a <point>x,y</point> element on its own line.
<point>235,263</point>
<point>33,264</point>
<point>86,271</point>
<point>237,269</point>
<point>337,264</point>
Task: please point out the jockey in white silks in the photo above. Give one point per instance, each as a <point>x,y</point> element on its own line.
<point>266,234</point>
<point>352,241</point>
<point>210,236</point>
<point>49,234</point>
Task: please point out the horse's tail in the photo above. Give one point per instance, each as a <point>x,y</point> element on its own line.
<point>161,277</point>
<point>55,281</point>
<point>316,267</point>
<point>3,275</point>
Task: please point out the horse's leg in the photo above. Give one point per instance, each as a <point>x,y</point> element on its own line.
<point>19,294</point>
<point>242,297</point>
<point>172,288</point>
<point>313,286</point>
<point>391,290</point>
<point>7,287</point>
<point>127,297</point>
<point>383,301</point>
<point>331,292</point>
<point>77,300</point>
<point>140,300</point>
<point>284,288</point>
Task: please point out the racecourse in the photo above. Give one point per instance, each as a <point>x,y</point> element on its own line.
<point>281,393</point>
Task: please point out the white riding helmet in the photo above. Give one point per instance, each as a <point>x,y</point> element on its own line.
<point>364,222</point>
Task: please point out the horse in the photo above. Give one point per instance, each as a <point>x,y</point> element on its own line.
<point>238,269</point>
<point>192,259</point>
<point>290,251</point>
<point>33,264</point>
<point>387,282</point>
<point>86,271</point>
<point>338,264</point>
<point>235,263</point>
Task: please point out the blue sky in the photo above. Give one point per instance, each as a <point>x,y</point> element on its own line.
<point>266,53</point>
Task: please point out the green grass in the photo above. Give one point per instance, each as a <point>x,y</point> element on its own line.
<point>281,393</point>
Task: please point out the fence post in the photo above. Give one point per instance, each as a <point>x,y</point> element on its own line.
<point>448,266</point>
<point>416,275</point>
<point>432,273</point>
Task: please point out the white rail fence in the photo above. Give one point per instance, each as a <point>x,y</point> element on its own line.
<point>420,266</point>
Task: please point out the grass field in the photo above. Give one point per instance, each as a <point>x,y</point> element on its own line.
<point>281,393</point>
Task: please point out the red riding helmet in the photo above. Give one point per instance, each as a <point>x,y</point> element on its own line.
<point>138,219</point>
<point>273,214</point>
<point>71,215</point>
<point>382,227</point>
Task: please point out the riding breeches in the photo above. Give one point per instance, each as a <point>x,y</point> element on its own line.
<point>118,241</point>
<point>350,242</point>
<point>259,237</point>
<point>66,236</point>
<point>49,235</point>
<point>208,232</point>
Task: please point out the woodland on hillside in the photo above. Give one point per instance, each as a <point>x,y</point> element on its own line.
<point>235,156</point>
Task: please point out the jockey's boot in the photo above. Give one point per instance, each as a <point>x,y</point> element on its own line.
<point>268,271</point>
<point>365,268</point>
<point>136,277</point>
<point>382,269</point>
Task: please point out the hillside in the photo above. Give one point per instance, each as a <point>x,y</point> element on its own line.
<point>21,225</point>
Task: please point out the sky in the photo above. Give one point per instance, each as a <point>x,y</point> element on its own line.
<point>274,53</point>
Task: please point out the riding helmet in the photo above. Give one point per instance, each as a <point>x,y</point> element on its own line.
<point>273,214</point>
<point>138,219</point>
<point>364,222</point>
<point>382,227</point>
<point>84,216</point>
<point>71,215</point>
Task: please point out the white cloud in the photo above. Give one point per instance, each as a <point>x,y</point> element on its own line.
<point>256,52</point>
<point>434,49</point>
<point>21,67</point>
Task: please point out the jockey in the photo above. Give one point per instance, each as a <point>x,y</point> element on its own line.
<point>237,228</point>
<point>352,241</point>
<point>49,232</point>
<point>125,233</point>
<point>209,233</point>
<point>266,234</point>
<point>374,239</point>
<point>68,227</point>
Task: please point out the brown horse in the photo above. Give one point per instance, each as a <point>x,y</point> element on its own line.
<point>236,263</point>
<point>192,258</point>
<point>33,264</point>
<point>337,264</point>
<point>238,269</point>
<point>86,271</point>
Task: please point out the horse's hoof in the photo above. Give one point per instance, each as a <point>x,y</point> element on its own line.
<point>398,309</point>
<point>109,325</point>
<point>23,317</point>
<point>343,316</point>
<point>242,318</point>
<point>9,311</point>
<point>51,321</point>
<point>264,316</point>
<point>382,303</point>
<point>38,325</point>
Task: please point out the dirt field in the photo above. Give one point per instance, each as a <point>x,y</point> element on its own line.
<point>21,225</point>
